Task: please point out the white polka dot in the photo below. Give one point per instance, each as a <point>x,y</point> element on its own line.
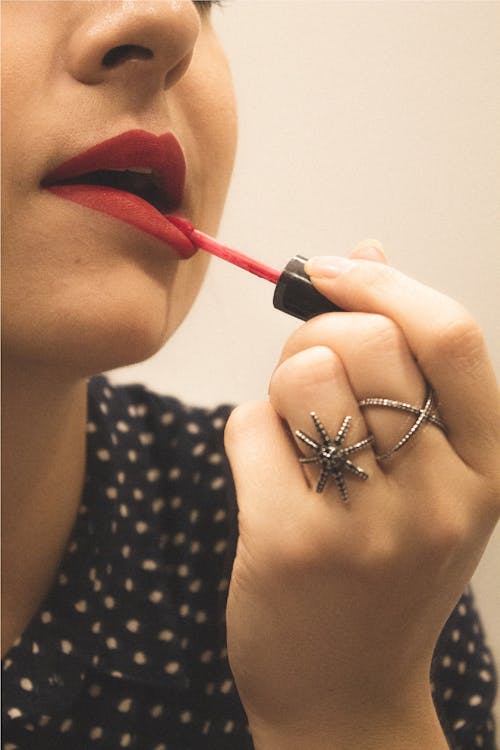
<point>193,428</point>
<point>455,635</point>
<point>125,740</point>
<point>167,418</point>
<point>484,675</point>
<point>195,547</point>
<point>199,449</point>
<point>107,392</point>
<point>91,427</point>
<point>44,720</point>
<point>66,646</point>
<point>172,667</point>
<point>152,475</point>
<point>132,456</point>
<point>218,423</point>
<point>210,688</point>
<point>103,454</point>
<point>179,538</point>
<point>461,667</point>
<point>11,746</point>
<point>140,657</point>
<point>200,617</point>
<point>109,602</point>
<point>95,691</point>
<point>158,504</point>
<point>220,515</point>
<point>220,546</point>
<point>215,458</point>
<point>66,725</point>
<point>112,493</point>
<point>95,733</point>
<point>195,585</point>
<point>26,684</point>
<point>141,410</point>
<point>14,713</point>
<point>186,717</point>
<point>111,643</point>
<point>183,571</point>
<point>184,610</point>
<point>165,635</point>
<point>176,502</point>
<point>459,724</point>
<point>161,746</point>
<point>478,740</point>
<point>228,727</point>
<point>156,711</point>
<point>156,597</point>
<point>446,661</point>
<point>217,483</point>
<point>138,494</point>
<point>103,407</point>
<point>7,663</point>
<point>174,473</point>
<point>471,647</point>
<point>35,648</point>
<point>141,527</point>
<point>96,627</point>
<point>81,606</point>
<point>122,426</point>
<point>146,438</point>
<point>475,700</point>
<point>46,617</point>
<point>226,686</point>
<point>123,510</point>
<point>126,550</point>
<point>63,579</point>
<point>125,705</point>
<point>448,693</point>
<point>133,625</point>
<point>149,565</point>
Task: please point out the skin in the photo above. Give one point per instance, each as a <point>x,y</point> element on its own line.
<point>334,609</point>
<point>83,293</point>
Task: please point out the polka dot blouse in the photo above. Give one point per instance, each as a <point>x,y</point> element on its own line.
<point>128,649</point>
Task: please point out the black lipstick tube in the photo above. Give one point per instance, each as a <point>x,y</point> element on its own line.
<point>295,295</point>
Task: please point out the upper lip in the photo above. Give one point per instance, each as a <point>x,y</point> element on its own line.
<point>161,158</point>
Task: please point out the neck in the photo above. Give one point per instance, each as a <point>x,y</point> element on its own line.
<point>43,465</point>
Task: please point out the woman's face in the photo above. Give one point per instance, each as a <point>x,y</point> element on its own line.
<point>83,290</point>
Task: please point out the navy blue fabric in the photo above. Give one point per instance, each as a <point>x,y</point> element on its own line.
<point>128,649</point>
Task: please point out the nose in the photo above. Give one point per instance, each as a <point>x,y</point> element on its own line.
<point>141,45</point>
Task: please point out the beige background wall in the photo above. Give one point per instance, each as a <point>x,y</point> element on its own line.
<point>358,119</point>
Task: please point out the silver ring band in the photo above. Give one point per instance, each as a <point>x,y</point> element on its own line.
<point>424,414</point>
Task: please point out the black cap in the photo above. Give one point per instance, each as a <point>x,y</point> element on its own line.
<point>295,294</point>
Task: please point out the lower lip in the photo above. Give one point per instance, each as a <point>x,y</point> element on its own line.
<point>129,208</point>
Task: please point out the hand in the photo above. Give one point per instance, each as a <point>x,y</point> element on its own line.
<point>335,608</point>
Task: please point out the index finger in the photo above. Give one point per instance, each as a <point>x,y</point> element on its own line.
<point>446,341</point>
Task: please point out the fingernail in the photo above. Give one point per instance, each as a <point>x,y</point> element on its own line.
<point>328,266</point>
<point>369,252</point>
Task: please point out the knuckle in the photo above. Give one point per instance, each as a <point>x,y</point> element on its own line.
<point>383,333</point>
<point>461,339</point>
<point>306,369</point>
<point>243,420</point>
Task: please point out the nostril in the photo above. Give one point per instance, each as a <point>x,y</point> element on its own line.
<point>125,52</point>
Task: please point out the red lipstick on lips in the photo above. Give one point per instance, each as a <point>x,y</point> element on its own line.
<point>136,177</point>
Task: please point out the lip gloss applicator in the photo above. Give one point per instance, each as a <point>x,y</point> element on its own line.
<point>294,293</point>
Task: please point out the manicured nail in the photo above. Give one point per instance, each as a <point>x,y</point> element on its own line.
<point>328,266</point>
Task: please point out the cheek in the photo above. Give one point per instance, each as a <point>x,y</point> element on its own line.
<point>208,107</point>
